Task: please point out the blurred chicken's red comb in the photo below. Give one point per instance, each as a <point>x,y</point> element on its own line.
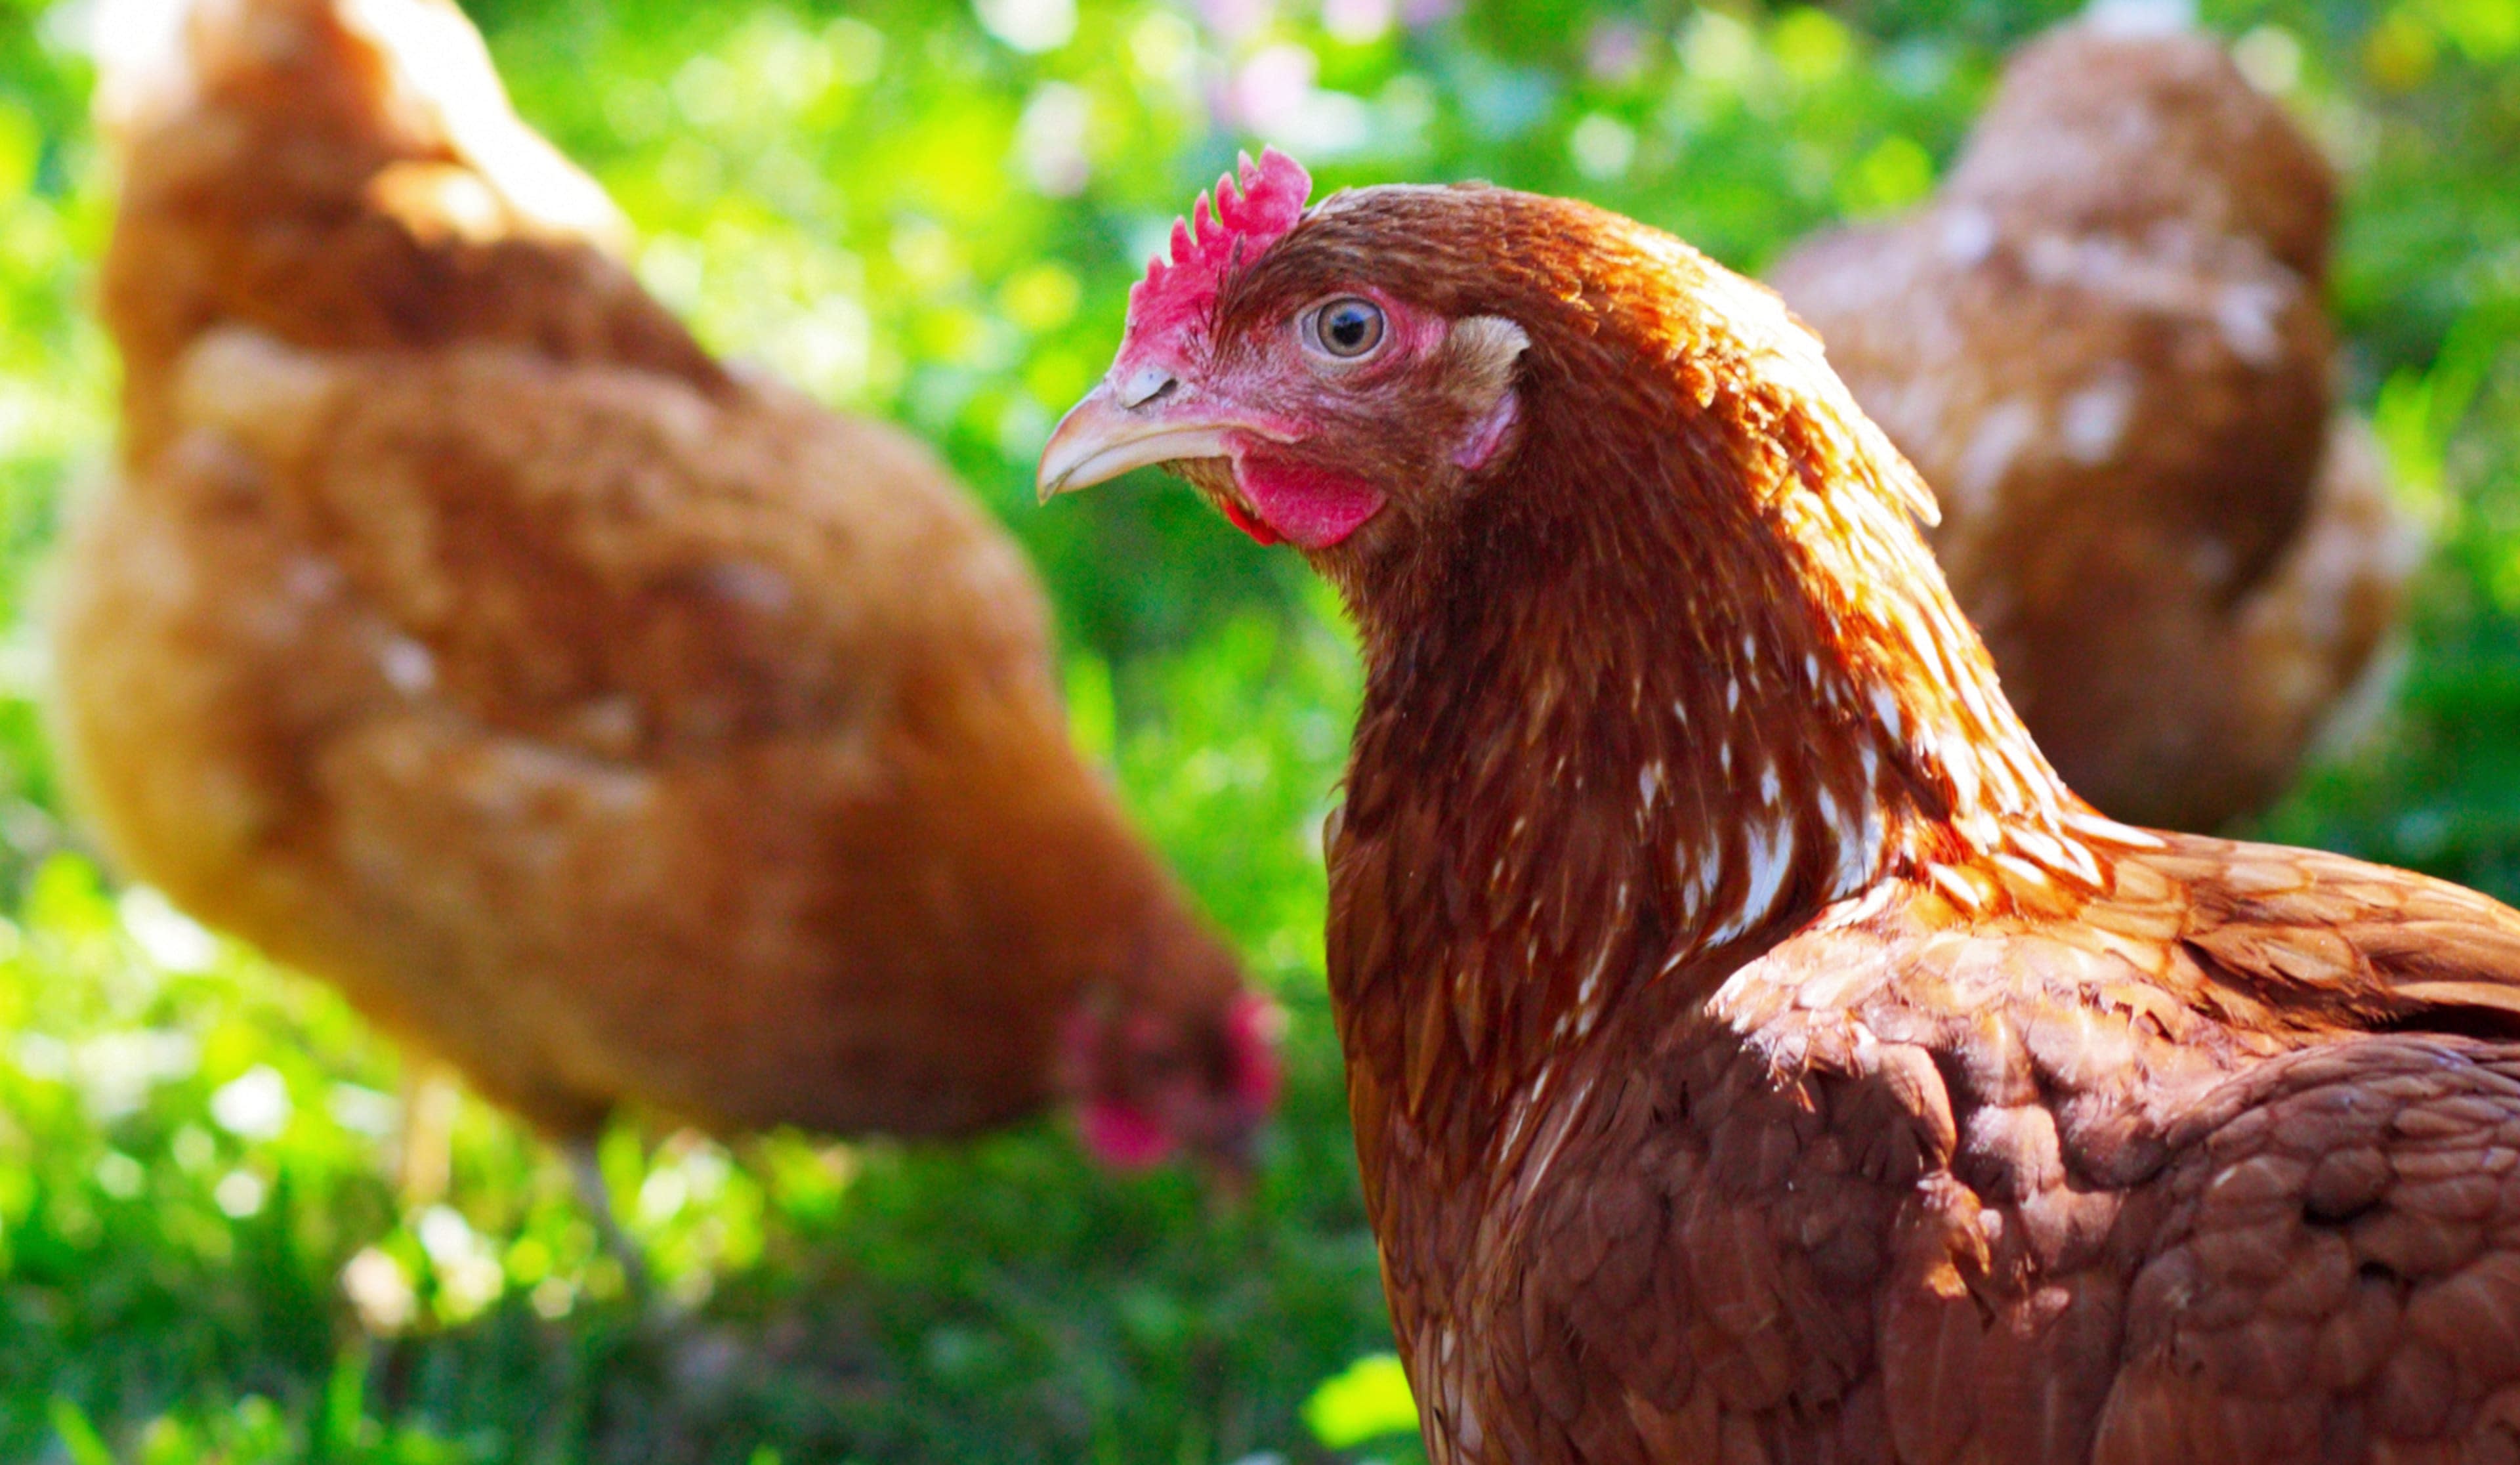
<point>1253,205</point>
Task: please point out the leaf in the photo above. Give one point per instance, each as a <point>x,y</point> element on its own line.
<point>1093,715</point>
<point>85,1445</point>
<point>1369,1401</point>
<point>1897,174</point>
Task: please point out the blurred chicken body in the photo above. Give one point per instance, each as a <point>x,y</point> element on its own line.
<point>1756,1051</point>
<point>2103,342</point>
<point>620,729</point>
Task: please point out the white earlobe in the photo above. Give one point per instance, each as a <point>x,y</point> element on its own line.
<point>1483,351</point>
<point>1488,345</point>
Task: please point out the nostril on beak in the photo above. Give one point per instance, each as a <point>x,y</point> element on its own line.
<point>1145,384</point>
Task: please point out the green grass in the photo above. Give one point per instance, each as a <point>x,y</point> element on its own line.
<point>200,1256</point>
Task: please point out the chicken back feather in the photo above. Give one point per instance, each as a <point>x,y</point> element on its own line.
<point>623,729</point>
<point>1756,1051</point>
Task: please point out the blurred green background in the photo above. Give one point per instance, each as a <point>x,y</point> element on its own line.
<point>931,212</point>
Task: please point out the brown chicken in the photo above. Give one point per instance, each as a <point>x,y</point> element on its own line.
<point>619,728</point>
<point>1756,1051</point>
<point>2103,342</point>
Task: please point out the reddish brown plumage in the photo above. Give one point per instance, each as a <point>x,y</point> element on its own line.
<point>2103,342</point>
<point>1756,1052</point>
<point>622,728</point>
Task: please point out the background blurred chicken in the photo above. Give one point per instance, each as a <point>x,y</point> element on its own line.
<point>2103,345</point>
<point>621,729</point>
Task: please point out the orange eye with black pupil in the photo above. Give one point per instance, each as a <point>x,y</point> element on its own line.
<point>1347,328</point>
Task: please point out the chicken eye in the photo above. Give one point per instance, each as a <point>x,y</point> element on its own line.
<point>1345,328</point>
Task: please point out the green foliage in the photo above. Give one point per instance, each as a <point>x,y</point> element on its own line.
<point>2436,786</point>
<point>1369,1401</point>
<point>933,213</point>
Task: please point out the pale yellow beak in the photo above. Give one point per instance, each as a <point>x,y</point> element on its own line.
<point>1100,438</point>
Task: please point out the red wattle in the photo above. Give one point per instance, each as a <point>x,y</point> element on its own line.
<point>1122,1135</point>
<point>1242,520</point>
<point>1313,507</point>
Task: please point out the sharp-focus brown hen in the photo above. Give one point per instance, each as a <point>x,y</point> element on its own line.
<point>1756,1051</point>
<point>2103,345</point>
<point>618,728</point>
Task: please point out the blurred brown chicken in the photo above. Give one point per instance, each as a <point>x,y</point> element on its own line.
<point>619,728</point>
<point>2103,345</point>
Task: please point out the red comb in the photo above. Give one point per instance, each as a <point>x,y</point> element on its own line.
<point>1253,206</point>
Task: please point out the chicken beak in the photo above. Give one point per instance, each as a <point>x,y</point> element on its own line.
<point>1228,1166</point>
<point>1229,1178</point>
<point>1103,436</point>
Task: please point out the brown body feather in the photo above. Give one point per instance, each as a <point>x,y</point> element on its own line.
<point>620,729</point>
<point>1756,1051</point>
